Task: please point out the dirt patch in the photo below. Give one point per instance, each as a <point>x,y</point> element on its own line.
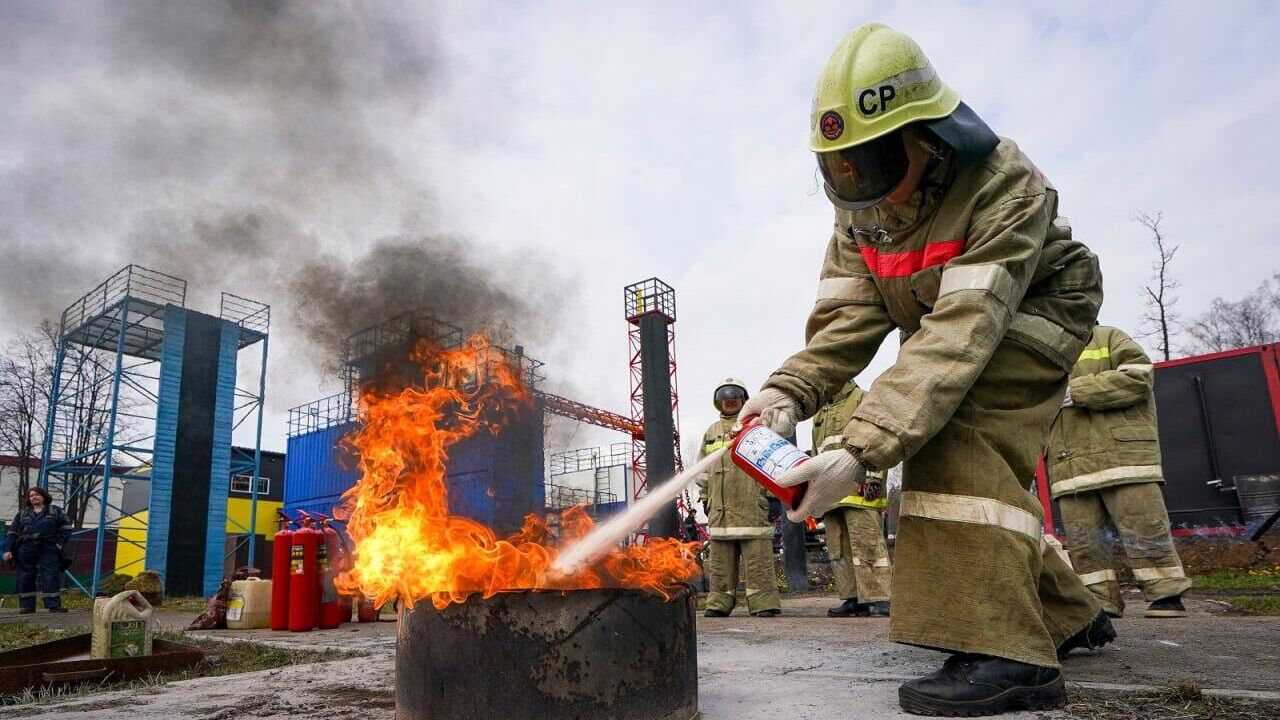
<point>1205,555</point>
<point>355,696</point>
<point>1183,703</point>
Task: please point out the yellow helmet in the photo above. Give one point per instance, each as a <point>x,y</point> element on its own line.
<point>877,81</point>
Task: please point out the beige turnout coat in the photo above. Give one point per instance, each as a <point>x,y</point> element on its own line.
<point>982,259</point>
<point>737,505</point>
<point>1107,435</point>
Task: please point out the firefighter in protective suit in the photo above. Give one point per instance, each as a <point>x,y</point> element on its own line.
<point>951,235</point>
<point>738,521</point>
<point>1104,467</point>
<point>855,535</point>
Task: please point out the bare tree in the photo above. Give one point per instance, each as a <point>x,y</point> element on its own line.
<point>1159,318</point>
<point>26,367</point>
<point>85,420</point>
<point>1227,325</point>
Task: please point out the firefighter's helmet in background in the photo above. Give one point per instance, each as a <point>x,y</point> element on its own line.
<point>731,389</point>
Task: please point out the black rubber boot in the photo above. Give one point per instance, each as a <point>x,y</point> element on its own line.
<point>771,612</point>
<point>1097,633</point>
<point>974,685</point>
<point>1169,607</point>
<point>849,608</point>
<point>715,613</point>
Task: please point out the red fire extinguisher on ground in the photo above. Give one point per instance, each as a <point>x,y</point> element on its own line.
<point>281,546</point>
<point>329,563</point>
<point>304,576</point>
<point>765,456</point>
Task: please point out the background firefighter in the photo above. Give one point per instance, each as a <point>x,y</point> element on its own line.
<point>951,234</point>
<point>737,520</point>
<point>854,527</point>
<point>1104,468</point>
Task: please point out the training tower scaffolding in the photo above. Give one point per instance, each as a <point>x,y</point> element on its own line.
<point>650,309</point>
<point>145,389</point>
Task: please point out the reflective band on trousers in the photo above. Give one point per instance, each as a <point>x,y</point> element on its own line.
<point>878,562</point>
<point>857,289</point>
<point>970,509</point>
<point>1158,573</point>
<point>740,532</point>
<point>1099,576</point>
<point>1088,481</point>
<point>990,277</point>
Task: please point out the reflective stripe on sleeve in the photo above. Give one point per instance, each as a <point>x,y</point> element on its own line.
<point>990,277</point>
<point>740,532</point>
<point>970,509</point>
<point>1090,481</point>
<point>1047,335</point>
<point>1098,576</point>
<point>834,441</point>
<point>715,445</point>
<point>1097,353</point>
<point>856,289</point>
<point>1158,573</point>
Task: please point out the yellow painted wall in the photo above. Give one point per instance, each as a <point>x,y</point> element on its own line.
<point>238,516</point>
<point>130,556</point>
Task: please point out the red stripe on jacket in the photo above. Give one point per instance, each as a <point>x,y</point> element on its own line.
<point>902,264</point>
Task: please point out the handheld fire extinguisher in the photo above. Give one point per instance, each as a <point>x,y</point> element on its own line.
<point>765,456</point>
<point>328,561</point>
<point>281,547</point>
<point>304,583</point>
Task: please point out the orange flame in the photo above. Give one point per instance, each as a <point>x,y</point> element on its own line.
<point>409,547</point>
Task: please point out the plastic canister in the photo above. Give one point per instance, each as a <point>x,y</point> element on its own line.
<point>249,604</point>
<point>765,456</point>
<point>121,626</point>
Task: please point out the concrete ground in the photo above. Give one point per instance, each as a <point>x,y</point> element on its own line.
<point>801,664</point>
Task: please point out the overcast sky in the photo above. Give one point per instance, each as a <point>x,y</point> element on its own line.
<point>576,147</point>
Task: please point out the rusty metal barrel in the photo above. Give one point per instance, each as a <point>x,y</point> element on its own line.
<point>609,653</point>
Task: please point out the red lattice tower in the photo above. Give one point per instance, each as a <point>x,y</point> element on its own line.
<point>648,297</point>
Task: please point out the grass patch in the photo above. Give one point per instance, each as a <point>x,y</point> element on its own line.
<point>1255,604</point>
<point>1239,580</point>
<point>221,658</point>
<point>76,600</point>
<point>22,634</point>
<point>1183,702</point>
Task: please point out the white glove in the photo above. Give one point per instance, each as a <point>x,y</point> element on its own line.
<point>832,475</point>
<point>1066,399</point>
<point>778,411</point>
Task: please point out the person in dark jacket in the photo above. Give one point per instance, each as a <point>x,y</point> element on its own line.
<point>35,539</point>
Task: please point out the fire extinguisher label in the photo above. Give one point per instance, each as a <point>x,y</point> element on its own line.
<point>322,558</point>
<point>296,553</point>
<point>767,451</point>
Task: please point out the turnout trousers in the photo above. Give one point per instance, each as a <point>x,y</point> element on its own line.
<point>972,571</point>
<point>859,556</point>
<point>756,555</point>
<point>1142,524</point>
<point>40,559</point>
